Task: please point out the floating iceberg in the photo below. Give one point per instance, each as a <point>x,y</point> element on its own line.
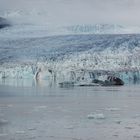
<point>96,116</point>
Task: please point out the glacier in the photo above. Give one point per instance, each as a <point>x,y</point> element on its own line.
<point>26,49</point>
<point>68,53</point>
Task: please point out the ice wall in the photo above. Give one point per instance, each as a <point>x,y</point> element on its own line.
<point>59,57</point>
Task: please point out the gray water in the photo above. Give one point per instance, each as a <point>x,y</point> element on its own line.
<point>74,113</point>
<point>44,111</point>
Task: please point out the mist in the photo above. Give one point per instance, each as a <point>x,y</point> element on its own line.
<point>58,12</point>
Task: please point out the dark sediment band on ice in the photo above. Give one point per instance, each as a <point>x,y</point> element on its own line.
<point>4,23</point>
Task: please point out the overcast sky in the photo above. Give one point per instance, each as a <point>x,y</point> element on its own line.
<point>80,11</point>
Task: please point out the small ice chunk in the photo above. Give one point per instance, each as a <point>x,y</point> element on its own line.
<point>118,121</point>
<point>137,136</point>
<point>69,127</point>
<point>37,108</point>
<point>3,121</point>
<point>41,107</point>
<point>91,116</point>
<point>113,109</point>
<point>136,116</point>
<point>9,105</point>
<point>20,132</point>
<point>4,134</point>
<point>96,116</point>
<point>30,129</point>
<point>32,137</point>
<point>115,135</point>
<point>129,127</point>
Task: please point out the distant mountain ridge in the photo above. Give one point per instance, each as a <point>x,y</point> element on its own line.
<point>102,29</point>
<point>42,18</point>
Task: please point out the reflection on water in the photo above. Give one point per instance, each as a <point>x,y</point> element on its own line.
<point>42,83</point>
<point>26,83</point>
<point>30,109</point>
<point>31,87</point>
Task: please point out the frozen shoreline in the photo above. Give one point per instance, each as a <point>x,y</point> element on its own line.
<point>82,113</point>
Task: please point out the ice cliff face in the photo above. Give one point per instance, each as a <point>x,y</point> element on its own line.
<point>61,57</point>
